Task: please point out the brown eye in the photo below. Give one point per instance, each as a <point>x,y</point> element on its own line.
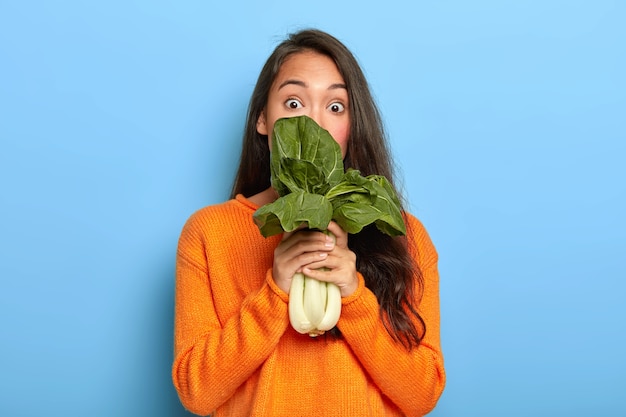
<point>292,103</point>
<point>336,108</point>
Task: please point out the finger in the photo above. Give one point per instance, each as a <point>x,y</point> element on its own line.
<point>286,235</point>
<point>341,237</point>
<point>346,280</point>
<point>305,260</point>
<point>326,266</point>
<point>309,242</point>
<point>297,230</point>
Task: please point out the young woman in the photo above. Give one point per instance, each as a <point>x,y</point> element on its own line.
<point>235,351</point>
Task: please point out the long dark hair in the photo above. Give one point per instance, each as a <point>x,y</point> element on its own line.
<point>384,262</point>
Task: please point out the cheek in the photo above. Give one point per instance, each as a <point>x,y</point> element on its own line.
<point>341,134</point>
<point>270,127</point>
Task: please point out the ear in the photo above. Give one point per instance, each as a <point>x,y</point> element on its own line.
<point>261,124</point>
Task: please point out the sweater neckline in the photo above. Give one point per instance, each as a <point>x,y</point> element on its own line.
<point>247,203</point>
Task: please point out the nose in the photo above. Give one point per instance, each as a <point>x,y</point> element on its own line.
<point>317,115</point>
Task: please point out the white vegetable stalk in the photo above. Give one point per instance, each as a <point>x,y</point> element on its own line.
<point>314,306</point>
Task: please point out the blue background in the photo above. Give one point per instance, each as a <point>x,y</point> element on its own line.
<point>119,119</point>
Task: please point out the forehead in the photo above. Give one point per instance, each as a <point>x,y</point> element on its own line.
<point>311,65</point>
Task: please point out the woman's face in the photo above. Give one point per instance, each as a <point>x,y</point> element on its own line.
<point>309,83</point>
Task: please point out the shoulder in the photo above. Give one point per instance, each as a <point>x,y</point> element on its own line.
<point>419,240</point>
<point>215,220</point>
<point>220,214</point>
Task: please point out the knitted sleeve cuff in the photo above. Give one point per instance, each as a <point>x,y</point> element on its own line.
<point>269,278</point>
<point>357,293</point>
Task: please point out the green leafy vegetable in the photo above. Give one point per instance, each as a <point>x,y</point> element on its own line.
<point>308,174</point>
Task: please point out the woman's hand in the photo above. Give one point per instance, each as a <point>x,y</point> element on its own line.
<point>307,251</point>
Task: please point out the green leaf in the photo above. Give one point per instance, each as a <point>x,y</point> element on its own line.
<point>289,212</point>
<point>360,201</point>
<point>308,174</point>
<point>300,175</point>
<point>301,138</point>
<point>352,217</point>
<point>389,191</point>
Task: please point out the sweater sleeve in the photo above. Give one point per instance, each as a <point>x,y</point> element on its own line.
<point>413,380</point>
<point>212,359</point>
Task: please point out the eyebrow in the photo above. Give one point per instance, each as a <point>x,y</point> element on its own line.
<point>303,84</point>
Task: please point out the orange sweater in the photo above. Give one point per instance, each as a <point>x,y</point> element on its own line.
<point>237,355</point>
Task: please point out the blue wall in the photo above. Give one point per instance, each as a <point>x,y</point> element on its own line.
<point>119,119</point>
